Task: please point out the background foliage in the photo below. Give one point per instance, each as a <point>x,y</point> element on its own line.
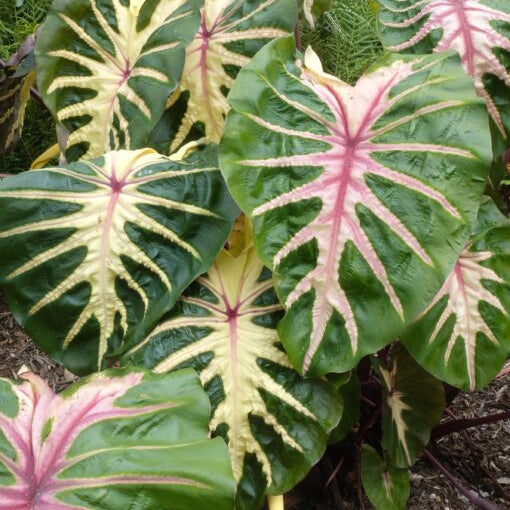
<point>19,19</point>
<point>345,38</point>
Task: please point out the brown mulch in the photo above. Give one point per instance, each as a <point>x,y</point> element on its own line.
<point>19,353</point>
<point>479,457</point>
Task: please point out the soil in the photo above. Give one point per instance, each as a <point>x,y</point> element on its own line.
<point>18,354</point>
<point>479,457</point>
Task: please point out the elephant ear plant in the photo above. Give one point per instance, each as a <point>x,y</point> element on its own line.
<point>88,448</point>
<point>224,326</point>
<point>357,193</point>
<point>106,244</point>
<point>230,33</point>
<point>106,69</point>
<point>478,30</point>
<point>350,199</point>
<point>463,335</point>
<point>363,222</point>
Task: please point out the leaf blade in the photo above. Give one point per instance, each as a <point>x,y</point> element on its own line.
<point>57,469</point>
<point>323,196</point>
<point>461,337</point>
<point>105,70</point>
<point>271,418</point>
<point>230,33</point>
<point>117,239</point>
<point>474,29</point>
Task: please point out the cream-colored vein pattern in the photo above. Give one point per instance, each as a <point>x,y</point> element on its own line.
<point>204,75</point>
<point>237,343</point>
<point>113,76</point>
<point>100,226</point>
<point>465,291</point>
<point>354,142</point>
<point>397,406</point>
<point>468,27</point>
<point>413,404</point>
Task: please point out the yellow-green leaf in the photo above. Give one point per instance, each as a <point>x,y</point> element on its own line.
<point>106,68</point>
<point>274,421</point>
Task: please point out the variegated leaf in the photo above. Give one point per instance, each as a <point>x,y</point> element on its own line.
<point>479,30</point>
<point>94,253</point>
<point>120,439</point>
<point>231,31</point>
<point>463,337</point>
<point>274,421</point>
<point>106,67</point>
<point>386,486</point>
<point>16,80</point>
<point>413,405</point>
<point>356,193</point>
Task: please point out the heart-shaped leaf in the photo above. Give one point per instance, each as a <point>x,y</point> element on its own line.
<point>413,405</point>
<point>94,253</point>
<point>356,193</point>
<point>275,422</point>
<point>106,68</point>
<point>479,30</point>
<point>387,487</point>
<point>120,439</point>
<point>463,337</point>
<point>231,32</point>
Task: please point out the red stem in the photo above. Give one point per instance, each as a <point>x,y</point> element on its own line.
<point>472,496</point>
<point>335,471</point>
<point>297,35</point>
<point>368,401</point>
<point>465,423</point>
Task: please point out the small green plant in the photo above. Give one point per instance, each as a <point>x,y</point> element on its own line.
<point>305,242</point>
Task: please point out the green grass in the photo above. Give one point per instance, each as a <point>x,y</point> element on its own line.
<point>18,20</point>
<point>346,39</point>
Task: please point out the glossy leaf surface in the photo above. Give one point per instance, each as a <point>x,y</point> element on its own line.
<point>120,439</point>
<point>231,32</point>
<point>349,188</point>
<point>413,405</point>
<point>275,422</point>
<point>463,337</point>
<point>94,253</point>
<point>106,68</point>
<point>478,30</point>
<point>387,487</point>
